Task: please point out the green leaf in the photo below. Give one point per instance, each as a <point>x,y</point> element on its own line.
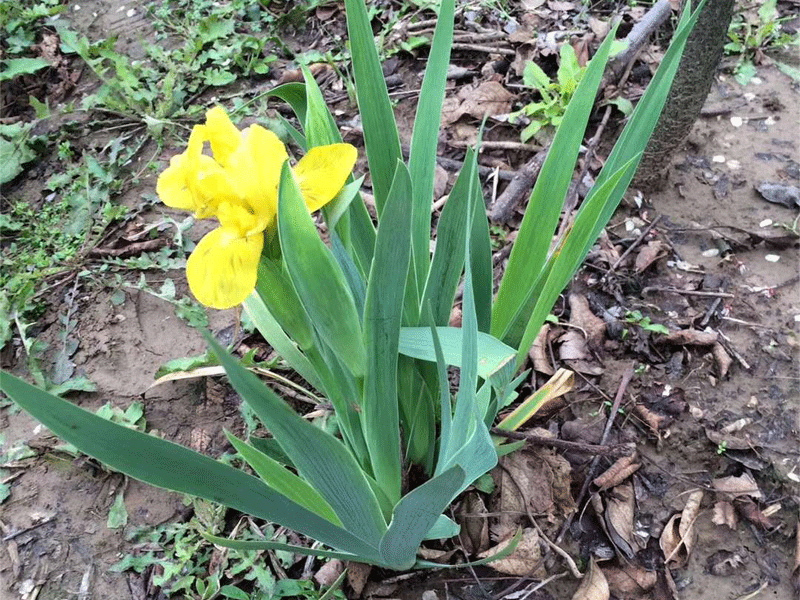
<point>275,290</point>
<point>448,257</point>
<point>469,444</point>
<point>493,355</point>
<point>425,140</point>
<point>381,138</point>
<point>16,150</point>
<point>271,330</point>
<point>246,545</point>
<point>382,318</point>
<point>415,515</point>
<point>169,466</point>
<point>294,94</point>
<point>284,481</point>
<point>480,249</point>
<point>512,307</point>
<point>21,66</point>
<point>117,514</point>
<point>534,77</point>
<point>317,277</point>
<point>566,259</point>
<point>321,459</point>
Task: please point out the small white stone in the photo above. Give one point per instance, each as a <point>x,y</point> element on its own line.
<point>130,13</point>
<point>797,318</point>
<point>749,96</point>
<point>629,225</point>
<point>121,8</point>
<point>734,165</point>
<point>711,252</point>
<point>772,258</point>
<point>769,121</point>
<point>76,8</point>
<point>736,121</point>
<point>37,429</point>
<point>765,223</point>
<point>756,81</point>
<point>718,158</point>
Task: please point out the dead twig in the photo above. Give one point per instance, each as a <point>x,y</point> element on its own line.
<point>519,187</point>
<point>635,244</point>
<point>623,386</point>
<point>538,440</point>
<point>11,536</point>
<point>672,290</point>
<point>483,48</point>
<point>638,35</point>
<point>497,145</point>
<point>129,250</point>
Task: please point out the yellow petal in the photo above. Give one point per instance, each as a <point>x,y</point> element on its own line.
<point>236,217</point>
<point>255,166</point>
<point>223,268</point>
<point>172,186</point>
<point>323,171</point>
<point>223,135</point>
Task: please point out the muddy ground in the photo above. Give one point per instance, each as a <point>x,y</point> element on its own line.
<point>712,406</point>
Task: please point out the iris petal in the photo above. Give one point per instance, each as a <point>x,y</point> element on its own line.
<point>223,268</point>
<point>223,135</point>
<point>322,172</point>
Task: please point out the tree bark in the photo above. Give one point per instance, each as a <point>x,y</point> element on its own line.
<point>688,94</point>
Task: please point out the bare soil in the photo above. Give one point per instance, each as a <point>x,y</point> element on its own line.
<point>55,540</point>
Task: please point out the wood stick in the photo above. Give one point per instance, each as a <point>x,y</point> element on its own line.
<point>538,440</point>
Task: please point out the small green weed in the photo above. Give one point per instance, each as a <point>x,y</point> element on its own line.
<point>751,34</point>
<point>191,567</point>
<point>645,323</point>
<point>555,95</point>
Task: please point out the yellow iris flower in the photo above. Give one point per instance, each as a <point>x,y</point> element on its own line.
<point>239,186</point>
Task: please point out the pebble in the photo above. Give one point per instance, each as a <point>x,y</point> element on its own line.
<point>736,121</point>
<point>734,165</point>
<point>718,158</point>
<point>765,223</point>
<point>773,258</point>
<point>711,252</point>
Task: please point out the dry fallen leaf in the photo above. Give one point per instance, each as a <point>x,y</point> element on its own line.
<point>622,468</point>
<point>724,514</point>
<point>648,255</point>
<point>488,98</point>
<point>722,358</point>
<point>594,585</point>
<point>733,487</point>
<point>545,478</point>
<point>524,561</point>
<point>750,511</point>
<point>474,523</point>
<point>630,581</point>
<point>357,575</point>
<point>619,516</point>
<point>677,539</point>
<point>724,563</point>
<point>573,346</point>
<point>329,572</point>
<point>582,317</point>
<point>538,352</point>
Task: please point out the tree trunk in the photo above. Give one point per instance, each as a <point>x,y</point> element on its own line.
<point>688,94</point>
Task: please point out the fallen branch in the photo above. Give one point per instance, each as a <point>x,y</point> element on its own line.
<point>519,188</point>
<point>651,21</point>
<point>538,440</point>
